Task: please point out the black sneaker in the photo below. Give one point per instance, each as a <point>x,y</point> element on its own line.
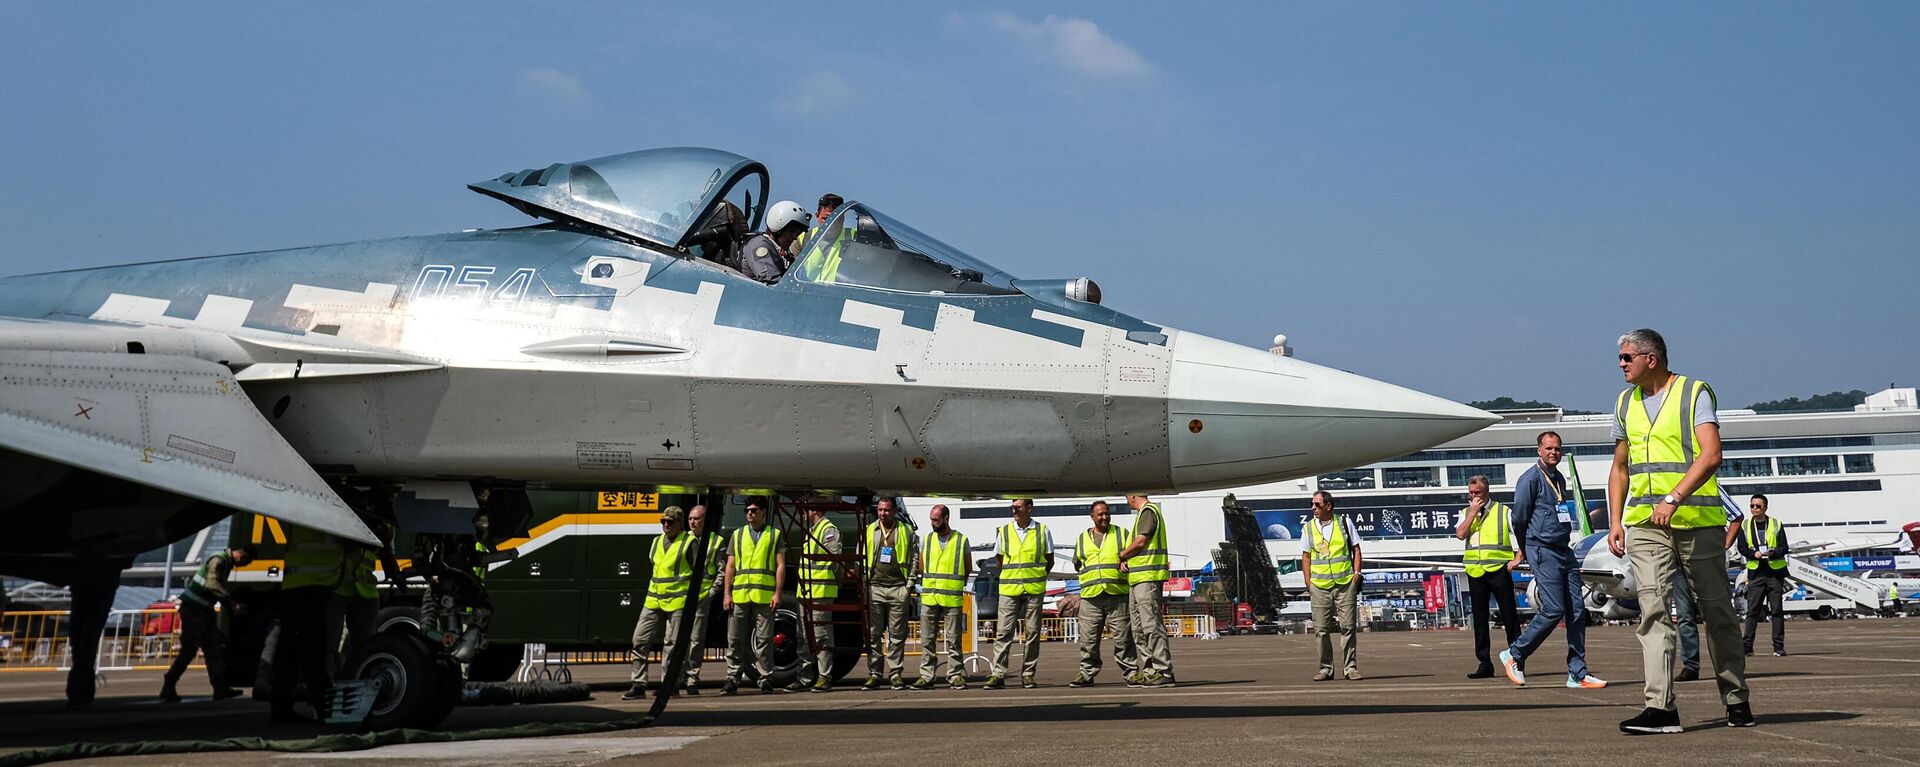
<point>923,683</point>
<point>872,683</point>
<point>1739,715</point>
<point>636,692</point>
<point>693,688</point>
<point>1483,672</point>
<point>169,696</point>
<point>227,693</point>
<point>996,682</point>
<point>1027,682</point>
<point>1687,675</point>
<point>1652,721</point>
<point>897,682</point>
<point>957,682</point>
<point>730,688</point>
<point>1081,681</point>
<point>1779,653</point>
<point>796,686</point>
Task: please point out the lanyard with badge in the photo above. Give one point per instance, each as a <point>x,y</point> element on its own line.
<point>1560,500</point>
<point>886,547</point>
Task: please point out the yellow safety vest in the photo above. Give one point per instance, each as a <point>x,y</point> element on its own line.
<point>359,581</point>
<point>197,591</point>
<point>1490,545</point>
<point>1893,590</point>
<point>823,263</point>
<point>1100,562</point>
<point>818,579</point>
<point>1024,570</point>
<point>1332,557</point>
<point>1659,452</point>
<point>902,546</point>
<point>944,580</point>
<point>671,575</point>
<point>313,558</point>
<point>753,563</point>
<point>1150,565</point>
<point>1772,542</point>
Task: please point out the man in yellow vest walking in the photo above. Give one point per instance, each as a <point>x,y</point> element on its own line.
<point>890,550</point>
<point>1764,544</point>
<point>666,603</point>
<point>315,565</point>
<point>1103,596</point>
<point>1330,557</point>
<point>1487,527</point>
<point>1147,572</point>
<point>820,582</point>
<point>945,561</point>
<point>1025,551</point>
<point>755,576</point>
<point>1664,513</point>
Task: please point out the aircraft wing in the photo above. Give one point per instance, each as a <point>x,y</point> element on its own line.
<point>167,421</point>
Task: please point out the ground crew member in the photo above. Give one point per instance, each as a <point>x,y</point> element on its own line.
<point>1330,556</point>
<point>822,264</point>
<point>705,593</point>
<point>1662,486</point>
<point>829,203</point>
<point>1103,596</point>
<point>1543,522</point>
<point>1487,527</point>
<point>315,565</point>
<point>1764,545</point>
<point>1147,572</point>
<point>1893,595</point>
<point>1025,553</point>
<point>890,550</point>
<point>666,601</point>
<point>354,606</point>
<point>819,582</point>
<point>200,630</point>
<point>756,574</point>
<point>1685,614</point>
<point>944,565</point>
<point>768,254</point>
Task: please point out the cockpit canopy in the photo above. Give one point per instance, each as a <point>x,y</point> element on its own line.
<point>655,194</point>
<point>684,199</point>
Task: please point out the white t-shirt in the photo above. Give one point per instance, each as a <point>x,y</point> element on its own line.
<point>1703,412</point>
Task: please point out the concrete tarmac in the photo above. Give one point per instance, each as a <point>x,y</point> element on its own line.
<point>1848,694</point>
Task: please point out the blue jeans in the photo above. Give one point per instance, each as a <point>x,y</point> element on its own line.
<point>1683,614</point>
<point>1556,578</point>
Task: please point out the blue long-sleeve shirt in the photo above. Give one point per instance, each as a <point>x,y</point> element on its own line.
<point>1536,508</point>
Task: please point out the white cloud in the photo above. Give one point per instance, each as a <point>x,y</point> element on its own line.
<point>819,92</point>
<point>1077,44</point>
<point>554,84</point>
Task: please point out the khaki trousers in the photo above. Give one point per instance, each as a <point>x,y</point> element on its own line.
<point>937,623</point>
<point>818,651</point>
<point>887,625</point>
<point>749,635</point>
<point>1097,614</point>
<point>1150,629</point>
<point>1654,556</point>
<point>1023,611</point>
<point>655,625</point>
<point>1336,612</point>
<point>698,648</point>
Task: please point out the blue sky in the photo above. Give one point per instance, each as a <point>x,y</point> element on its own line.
<point>1471,199</point>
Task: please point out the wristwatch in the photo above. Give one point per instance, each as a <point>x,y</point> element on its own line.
<point>1670,500</point>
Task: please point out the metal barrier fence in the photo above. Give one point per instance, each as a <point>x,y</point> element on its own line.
<point>132,639</point>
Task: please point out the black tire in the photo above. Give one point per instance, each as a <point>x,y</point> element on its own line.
<point>397,615</point>
<point>411,684</point>
<point>788,666</point>
<point>496,663</point>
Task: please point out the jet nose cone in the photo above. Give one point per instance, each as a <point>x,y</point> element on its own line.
<point>1243,416</point>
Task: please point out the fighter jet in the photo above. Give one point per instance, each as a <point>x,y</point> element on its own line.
<point>616,344</point>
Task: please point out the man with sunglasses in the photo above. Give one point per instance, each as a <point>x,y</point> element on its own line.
<point>1543,512</point>
<point>1664,514</point>
<point>755,576</point>
<point>1764,544</point>
<point>1330,556</point>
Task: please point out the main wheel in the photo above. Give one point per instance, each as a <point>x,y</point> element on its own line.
<point>412,688</point>
<point>787,641</point>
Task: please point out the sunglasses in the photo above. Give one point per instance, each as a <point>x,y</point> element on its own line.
<point>1629,357</point>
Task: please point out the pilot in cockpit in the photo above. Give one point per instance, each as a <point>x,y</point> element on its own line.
<point>767,255</point>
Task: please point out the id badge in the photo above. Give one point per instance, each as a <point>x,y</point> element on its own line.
<point>886,553</point>
<point>1566,512</point>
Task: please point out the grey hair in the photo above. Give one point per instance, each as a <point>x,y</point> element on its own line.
<point>1646,340</point>
<point>1478,479</point>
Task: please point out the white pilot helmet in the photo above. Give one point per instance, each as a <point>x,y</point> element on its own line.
<point>784,213</point>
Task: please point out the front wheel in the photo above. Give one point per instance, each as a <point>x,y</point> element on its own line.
<point>411,687</point>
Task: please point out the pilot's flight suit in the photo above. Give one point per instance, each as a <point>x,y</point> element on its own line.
<point>763,259</point>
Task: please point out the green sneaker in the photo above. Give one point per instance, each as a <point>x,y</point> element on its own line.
<point>957,682</point>
<point>822,684</point>
<point>1081,681</point>
<point>897,682</point>
<point>1027,682</point>
<point>995,682</point>
<point>872,683</point>
<point>1134,680</point>
<point>923,683</point>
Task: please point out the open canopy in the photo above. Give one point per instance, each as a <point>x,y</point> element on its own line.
<point>655,194</point>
